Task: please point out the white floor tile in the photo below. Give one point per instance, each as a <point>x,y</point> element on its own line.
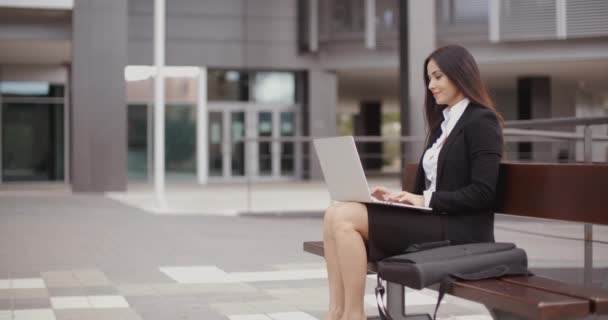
<point>250,317</point>
<point>70,302</point>
<point>280,275</point>
<point>25,283</point>
<point>418,299</point>
<point>370,299</point>
<point>412,298</point>
<point>291,316</point>
<point>212,274</point>
<point>108,302</point>
<point>197,274</point>
<point>29,283</point>
<point>6,315</point>
<point>34,314</point>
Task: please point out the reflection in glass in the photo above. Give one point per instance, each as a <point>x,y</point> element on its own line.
<point>347,17</point>
<point>470,10</point>
<point>137,137</point>
<point>32,142</point>
<point>387,16</point>
<point>274,87</point>
<point>265,150</point>
<point>287,128</point>
<point>181,90</point>
<point>31,89</point>
<point>215,144</point>
<point>237,135</point>
<point>225,85</point>
<point>180,139</point>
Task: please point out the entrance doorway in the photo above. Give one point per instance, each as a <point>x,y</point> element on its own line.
<point>231,156</point>
<point>32,127</point>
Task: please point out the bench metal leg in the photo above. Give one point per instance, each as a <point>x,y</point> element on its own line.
<point>588,273</point>
<point>395,303</point>
<point>504,315</point>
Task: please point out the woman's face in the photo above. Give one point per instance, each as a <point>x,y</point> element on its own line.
<point>442,88</point>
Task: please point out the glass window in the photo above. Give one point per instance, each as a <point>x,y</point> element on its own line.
<point>181,90</point>
<point>274,87</point>
<point>347,17</point>
<point>180,139</point>
<point>288,129</point>
<point>470,10</point>
<point>387,16</point>
<point>215,135</point>
<point>265,148</point>
<point>31,89</point>
<point>226,85</point>
<point>139,91</point>
<point>137,137</point>
<point>237,134</point>
<point>32,142</point>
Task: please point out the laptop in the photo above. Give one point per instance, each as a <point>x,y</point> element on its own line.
<point>344,174</point>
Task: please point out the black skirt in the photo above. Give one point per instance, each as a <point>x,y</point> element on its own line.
<point>393,229</point>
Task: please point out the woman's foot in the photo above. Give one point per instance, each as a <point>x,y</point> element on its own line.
<point>333,315</point>
<point>358,316</point>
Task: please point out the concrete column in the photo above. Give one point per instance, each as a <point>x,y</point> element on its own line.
<point>322,100</point>
<point>421,42</point>
<point>98,108</point>
<point>534,102</point>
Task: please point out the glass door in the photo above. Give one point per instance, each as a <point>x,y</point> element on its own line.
<point>231,156</point>
<point>265,148</point>
<point>32,130</point>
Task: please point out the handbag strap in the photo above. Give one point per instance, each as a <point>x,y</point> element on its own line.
<point>380,300</point>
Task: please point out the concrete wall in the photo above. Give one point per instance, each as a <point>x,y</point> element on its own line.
<point>98,154</point>
<point>421,24</point>
<point>322,111</point>
<point>227,33</point>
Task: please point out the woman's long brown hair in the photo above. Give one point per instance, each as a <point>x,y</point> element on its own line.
<point>460,67</point>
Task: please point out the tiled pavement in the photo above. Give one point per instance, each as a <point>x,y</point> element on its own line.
<point>289,292</point>
<point>88,257</point>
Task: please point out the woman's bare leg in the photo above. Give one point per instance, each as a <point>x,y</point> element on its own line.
<point>350,230</point>
<point>336,286</point>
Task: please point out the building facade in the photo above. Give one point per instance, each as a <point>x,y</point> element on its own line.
<point>76,81</point>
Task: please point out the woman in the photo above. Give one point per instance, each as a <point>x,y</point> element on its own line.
<point>456,177</point>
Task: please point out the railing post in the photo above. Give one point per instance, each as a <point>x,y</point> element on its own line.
<point>588,272</point>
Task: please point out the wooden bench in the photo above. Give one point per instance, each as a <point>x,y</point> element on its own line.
<point>567,192</point>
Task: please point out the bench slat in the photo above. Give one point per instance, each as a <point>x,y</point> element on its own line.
<point>538,298</point>
<point>597,297</point>
<point>525,301</point>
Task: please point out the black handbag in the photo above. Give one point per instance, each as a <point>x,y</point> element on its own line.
<point>427,264</point>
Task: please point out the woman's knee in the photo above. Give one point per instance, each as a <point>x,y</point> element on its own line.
<point>329,216</point>
<point>350,215</point>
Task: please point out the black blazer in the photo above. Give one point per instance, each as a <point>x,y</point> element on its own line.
<point>467,173</point>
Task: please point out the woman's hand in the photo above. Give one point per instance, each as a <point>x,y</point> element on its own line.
<point>380,193</point>
<point>407,198</point>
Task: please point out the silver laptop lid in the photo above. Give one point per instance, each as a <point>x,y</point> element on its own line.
<point>342,169</point>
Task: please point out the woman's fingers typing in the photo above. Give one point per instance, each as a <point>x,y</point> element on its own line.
<point>380,192</point>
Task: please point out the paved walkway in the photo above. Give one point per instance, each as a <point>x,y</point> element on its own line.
<point>281,198</point>
<point>117,256</point>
